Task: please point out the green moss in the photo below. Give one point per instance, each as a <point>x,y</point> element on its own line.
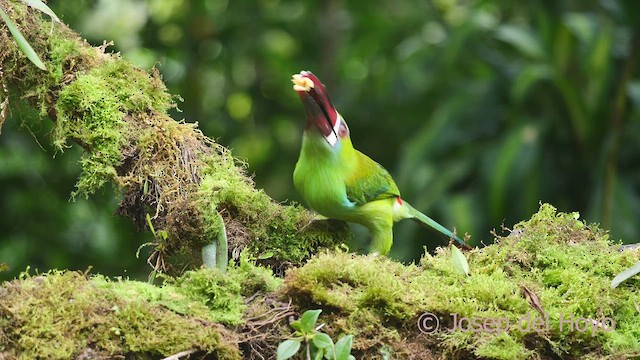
<point>63,315</point>
<point>502,346</point>
<point>223,294</point>
<point>92,111</point>
<point>62,55</point>
<point>565,263</point>
<point>61,51</point>
<point>284,233</point>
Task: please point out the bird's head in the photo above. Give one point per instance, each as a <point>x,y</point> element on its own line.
<point>322,117</point>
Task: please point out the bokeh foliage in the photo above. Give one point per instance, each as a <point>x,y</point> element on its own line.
<point>480,110</point>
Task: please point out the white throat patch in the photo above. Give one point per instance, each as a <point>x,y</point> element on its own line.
<point>332,138</point>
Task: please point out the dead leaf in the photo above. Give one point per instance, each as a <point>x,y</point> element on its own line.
<point>533,299</point>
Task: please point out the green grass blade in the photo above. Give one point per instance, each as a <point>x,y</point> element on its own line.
<point>635,269</point>
<point>39,5</point>
<point>22,42</point>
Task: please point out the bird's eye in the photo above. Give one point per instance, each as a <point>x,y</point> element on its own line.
<point>343,131</point>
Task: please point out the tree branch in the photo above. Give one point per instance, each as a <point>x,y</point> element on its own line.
<point>165,169</point>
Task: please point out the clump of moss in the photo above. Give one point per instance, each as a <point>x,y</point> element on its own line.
<point>60,49</point>
<point>92,110</point>
<point>65,315</point>
<point>269,230</point>
<point>547,270</point>
<point>224,294</point>
<point>368,296</point>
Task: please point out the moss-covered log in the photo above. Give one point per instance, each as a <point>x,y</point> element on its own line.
<point>543,292</point>
<point>164,169</point>
<point>66,315</point>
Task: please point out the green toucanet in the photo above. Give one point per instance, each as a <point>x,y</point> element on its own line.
<point>340,182</point>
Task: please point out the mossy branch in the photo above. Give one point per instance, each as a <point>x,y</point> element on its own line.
<point>119,115</point>
<point>552,265</point>
<point>542,292</point>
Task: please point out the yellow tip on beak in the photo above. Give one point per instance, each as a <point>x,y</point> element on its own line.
<point>302,83</point>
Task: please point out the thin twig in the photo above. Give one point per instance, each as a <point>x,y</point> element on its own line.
<point>181,354</point>
<point>281,308</point>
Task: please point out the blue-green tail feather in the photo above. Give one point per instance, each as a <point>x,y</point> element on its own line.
<point>423,219</point>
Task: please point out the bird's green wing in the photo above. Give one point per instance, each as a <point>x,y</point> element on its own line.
<point>370,182</point>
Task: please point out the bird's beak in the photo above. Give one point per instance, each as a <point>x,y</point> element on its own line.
<point>321,114</point>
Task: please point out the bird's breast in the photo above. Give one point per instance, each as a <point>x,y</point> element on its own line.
<point>323,190</point>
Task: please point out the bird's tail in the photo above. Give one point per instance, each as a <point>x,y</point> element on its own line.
<point>428,222</point>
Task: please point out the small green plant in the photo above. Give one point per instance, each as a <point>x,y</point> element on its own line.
<point>23,44</point>
<point>459,261</point>
<point>318,345</point>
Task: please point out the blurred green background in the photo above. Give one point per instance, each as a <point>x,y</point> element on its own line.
<point>479,109</point>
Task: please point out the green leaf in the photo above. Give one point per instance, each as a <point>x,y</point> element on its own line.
<point>523,39</point>
<point>316,353</point>
<point>265,255</point>
<point>386,352</point>
<point>322,340</point>
<point>296,325</point>
<point>582,25</point>
<point>308,321</point>
<point>510,165</point>
<point>329,354</point>
<point>148,217</point>
<point>527,78</point>
<point>343,348</point>
<point>633,91</point>
<point>23,44</point>
<point>287,349</point>
<point>39,5</point>
<point>459,261</point>
<point>635,269</point>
